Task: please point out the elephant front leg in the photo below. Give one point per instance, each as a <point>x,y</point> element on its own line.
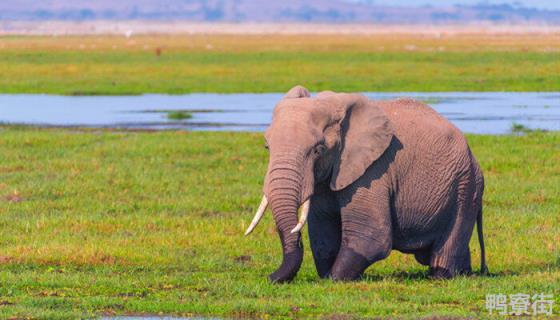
<point>366,234</point>
<point>324,236</point>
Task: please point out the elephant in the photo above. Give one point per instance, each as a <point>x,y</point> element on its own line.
<point>370,176</point>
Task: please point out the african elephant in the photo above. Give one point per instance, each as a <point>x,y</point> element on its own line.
<point>372,176</point>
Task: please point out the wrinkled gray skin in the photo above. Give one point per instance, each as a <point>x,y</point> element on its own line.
<point>381,175</point>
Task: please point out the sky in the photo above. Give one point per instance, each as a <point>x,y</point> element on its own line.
<point>540,4</point>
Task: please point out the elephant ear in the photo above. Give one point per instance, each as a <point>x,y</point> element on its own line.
<point>366,133</point>
<point>297,92</point>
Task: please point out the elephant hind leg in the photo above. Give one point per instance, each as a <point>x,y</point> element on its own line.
<point>451,255</point>
<point>447,267</point>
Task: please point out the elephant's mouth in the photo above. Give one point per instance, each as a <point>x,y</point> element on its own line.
<point>264,205</point>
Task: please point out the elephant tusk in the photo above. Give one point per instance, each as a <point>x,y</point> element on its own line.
<point>303,217</point>
<point>258,215</point>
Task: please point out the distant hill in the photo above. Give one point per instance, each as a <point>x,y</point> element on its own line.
<point>325,11</point>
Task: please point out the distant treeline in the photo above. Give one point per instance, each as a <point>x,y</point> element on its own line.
<point>326,11</point>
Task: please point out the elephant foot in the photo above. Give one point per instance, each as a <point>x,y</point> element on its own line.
<point>454,266</point>
<point>443,273</point>
<point>440,273</point>
<point>349,265</point>
<point>324,266</point>
<point>289,267</point>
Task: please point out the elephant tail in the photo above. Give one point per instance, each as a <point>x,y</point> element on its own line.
<point>483,267</point>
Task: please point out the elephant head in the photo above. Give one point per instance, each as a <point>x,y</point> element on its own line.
<point>332,138</point>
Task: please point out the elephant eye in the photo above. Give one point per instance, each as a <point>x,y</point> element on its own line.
<point>320,149</point>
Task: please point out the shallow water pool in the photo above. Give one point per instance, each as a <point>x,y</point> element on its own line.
<point>473,112</point>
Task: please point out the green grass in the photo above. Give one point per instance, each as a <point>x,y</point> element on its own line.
<point>108,222</point>
<point>178,115</point>
<point>28,65</point>
<point>518,128</point>
<point>126,73</point>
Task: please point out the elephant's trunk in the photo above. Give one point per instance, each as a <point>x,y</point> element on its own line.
<point>284,190</point>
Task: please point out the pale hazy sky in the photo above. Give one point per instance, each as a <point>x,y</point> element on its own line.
<point>542,4</point>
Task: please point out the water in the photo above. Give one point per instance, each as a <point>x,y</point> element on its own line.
<point>473,112</point>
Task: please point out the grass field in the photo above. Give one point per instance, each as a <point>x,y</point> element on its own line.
<point>274,63</point>
<point>108,222</point>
